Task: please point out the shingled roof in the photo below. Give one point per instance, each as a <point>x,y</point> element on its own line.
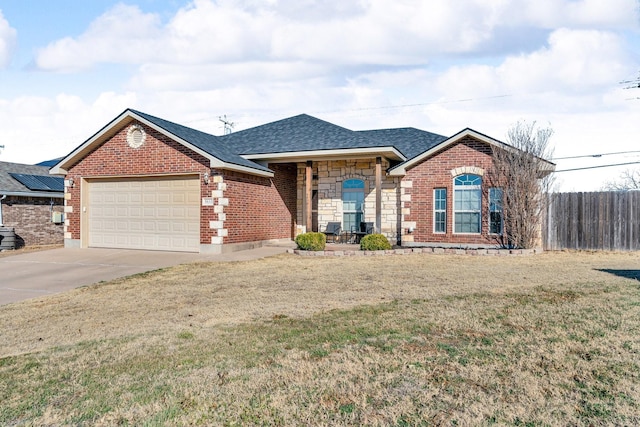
<point>9,185</point>
<point>298,133</point>
<point>409,141</point>
<point>296,137</point>
<point>209,143</point>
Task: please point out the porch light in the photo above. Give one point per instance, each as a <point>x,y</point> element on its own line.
<point>205,178</point>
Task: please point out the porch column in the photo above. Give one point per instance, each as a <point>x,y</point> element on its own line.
<point>308,196</point>
<point>378,194</point>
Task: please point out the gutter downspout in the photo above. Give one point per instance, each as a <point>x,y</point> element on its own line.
<point>4,196</point>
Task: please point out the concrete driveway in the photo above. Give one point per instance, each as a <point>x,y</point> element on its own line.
<point>47,272</point>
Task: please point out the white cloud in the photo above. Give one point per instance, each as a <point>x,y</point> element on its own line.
<point>383,32</point>
<point>262,60</point>
<point>123,35</point>
<point>37,128</point>
<point>8,38</point>
<point>574,62</point>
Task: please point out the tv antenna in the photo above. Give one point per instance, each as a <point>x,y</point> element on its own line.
<point>228,126</point>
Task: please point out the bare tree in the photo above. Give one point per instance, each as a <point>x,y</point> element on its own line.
<point>525,177</point>
<point>629,180</point>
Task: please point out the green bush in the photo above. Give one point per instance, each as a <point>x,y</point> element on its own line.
<point>374,242</point>
<point>311,241</point>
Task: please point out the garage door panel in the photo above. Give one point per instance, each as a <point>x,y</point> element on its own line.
<point>145,214</point>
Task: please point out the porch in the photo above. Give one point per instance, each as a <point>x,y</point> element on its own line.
<point>348,192</point>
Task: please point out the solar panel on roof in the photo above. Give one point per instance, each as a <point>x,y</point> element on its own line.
<point>55,183</point>
<point>39,182</point>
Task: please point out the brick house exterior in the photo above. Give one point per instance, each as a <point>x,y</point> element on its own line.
<point>124,185</point>
<point>29,212</point>
<point>466,156</point>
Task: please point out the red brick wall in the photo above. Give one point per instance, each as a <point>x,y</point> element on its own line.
<point>31,218</point>
<point>261,208</point>
<point>158,155</point>
<point>435,172</point>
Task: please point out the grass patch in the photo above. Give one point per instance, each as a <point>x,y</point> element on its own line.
<point>425,344</point>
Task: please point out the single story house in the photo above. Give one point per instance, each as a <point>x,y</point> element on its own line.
<point>31,202</point>
<point>142,182</point>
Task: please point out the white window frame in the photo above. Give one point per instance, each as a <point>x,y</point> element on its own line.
<point>467,186</point>
<point>437,210</point>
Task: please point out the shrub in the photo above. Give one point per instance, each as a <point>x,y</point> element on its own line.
<point>374,242</point>
<point>311,241</point>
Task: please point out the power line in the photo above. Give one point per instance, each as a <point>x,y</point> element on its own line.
<point>599,166</point>
<point>421,104</point>
<point>364,109</point>
<point>595,155</point>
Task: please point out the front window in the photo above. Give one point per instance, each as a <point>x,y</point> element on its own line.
<point>440,210</point>
<point>352,203</point>
<point>467,203</point>
<point>495,211</point>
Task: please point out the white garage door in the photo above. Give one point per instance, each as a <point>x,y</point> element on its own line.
<point>152,214</point>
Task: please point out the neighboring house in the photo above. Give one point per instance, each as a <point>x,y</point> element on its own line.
<point>142,182</point>
<point>31,202</point>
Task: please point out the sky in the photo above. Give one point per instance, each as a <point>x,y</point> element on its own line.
<point>69,67</point>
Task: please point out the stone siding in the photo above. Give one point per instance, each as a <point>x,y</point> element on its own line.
<point>328,177</point>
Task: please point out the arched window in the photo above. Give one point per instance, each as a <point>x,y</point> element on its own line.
<point>467,204</point>
<point>352,203</point>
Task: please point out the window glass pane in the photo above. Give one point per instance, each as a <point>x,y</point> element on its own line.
<point>441,222</point>
<point>467,222</point>
<point>351,221</point>
<point>352,203</point>
<point>495,199</point>
<point>468,180</point>
<point>495,226</point>
<point>468,200</point>
<point>495,211</point>
<point>353,183</point>
<point>467,203</point>
<point>440,210</point>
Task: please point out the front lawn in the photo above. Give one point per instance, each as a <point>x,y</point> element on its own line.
<point>551,339</point>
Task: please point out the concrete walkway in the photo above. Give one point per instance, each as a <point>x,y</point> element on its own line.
<point>35,274</point>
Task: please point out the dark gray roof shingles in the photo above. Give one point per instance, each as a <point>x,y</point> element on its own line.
<point>209,143</point>
<point>409,141</point>
<point>12,185</point>
<point>298,133</point>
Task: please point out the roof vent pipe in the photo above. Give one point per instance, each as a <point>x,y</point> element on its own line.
<point>4,196</point>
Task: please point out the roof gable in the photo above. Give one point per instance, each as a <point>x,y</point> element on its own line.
<point>401,169</point>
<point>203,143</point>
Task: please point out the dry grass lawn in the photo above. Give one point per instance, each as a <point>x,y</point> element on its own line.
<point>551,339</point>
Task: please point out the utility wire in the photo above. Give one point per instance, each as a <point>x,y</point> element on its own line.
<point>595,155</point>
<point>365,109</point>
<point>599,166</point>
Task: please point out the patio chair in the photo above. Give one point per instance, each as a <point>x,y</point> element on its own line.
<point>364,229</point>
<point>333,229</point>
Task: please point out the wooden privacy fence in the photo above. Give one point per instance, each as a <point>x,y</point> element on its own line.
<point>601,220</point>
